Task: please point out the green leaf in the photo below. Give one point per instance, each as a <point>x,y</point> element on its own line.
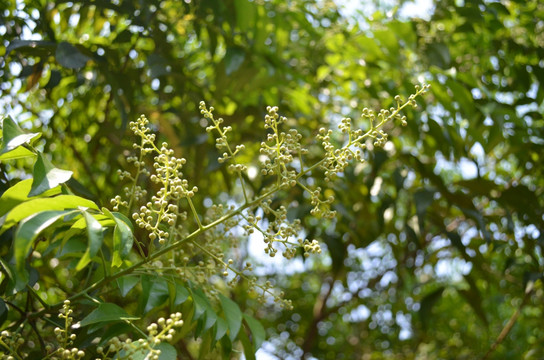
<point>17,153</point>
<point>423,199</point>
<point>154,292</point>
<point>249,350</point>
<point>220,328</point>
<point>106,312</point>
<point>427,304</point>
<point>211,318</point>
<point>122,239</point>
<point>234,58</point>
<point>17,43</point>
<point>13,136</point>
<point>462,96</point>
<point>126,283</point>
<point>27,232</point>
<point>439,55</point>
<point>18,194</point>
<point>95,237</point>
<point>203,311</point>
<point>181,294</point>
<point>3,311</point>
<point>60,202</point>
<point>200,303</point>
<point>69,56</point>
<point>257,330</point>
<point>233,316</point>
<point>474,298</point>
<point>46,176</point>
<point>54,79</point>
<point>75,246</point>
<point>246,13</point>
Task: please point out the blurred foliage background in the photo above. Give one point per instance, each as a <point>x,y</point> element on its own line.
<point>438,242</point>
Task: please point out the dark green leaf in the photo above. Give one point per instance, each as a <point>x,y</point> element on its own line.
<point>126,283</point>
<point>3,311</point>
<point>69,56</point>
<point>423,199</point>
<point>439,55</point>
<point>17,43</point>
<point>427,304</point>
<point>54,79</point>
<point>474,298</point>
<point>27,232</point>
<point>181,294</point>
<point>233,59</point>
<point>105,313</point>
<point>154,292</point>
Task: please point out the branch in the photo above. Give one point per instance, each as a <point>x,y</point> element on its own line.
<point>510,324</point>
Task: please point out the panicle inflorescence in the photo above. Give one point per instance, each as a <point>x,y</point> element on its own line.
<point>163,330</point>
<point>201,254</point>
<point>280,149</point>
<point>12,342</point>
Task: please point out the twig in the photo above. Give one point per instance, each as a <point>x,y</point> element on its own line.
<point>510,324</point>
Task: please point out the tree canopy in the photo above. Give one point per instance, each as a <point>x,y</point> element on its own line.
<point>436,247</point>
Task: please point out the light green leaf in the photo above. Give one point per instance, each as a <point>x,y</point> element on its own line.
<point>246,13</point>
<point>27,232</point>
<point>257,330</point>
<point>18,194</point>
<point>17,153</point>
<point>61,202</point>
<point>95,237</point>
<point>233,316</point>
<point>46,176</point>
<point>106,312</point>
<point>13,136</point>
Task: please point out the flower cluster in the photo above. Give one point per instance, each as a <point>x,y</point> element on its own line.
<point>11,341</point>
<point>163,207</point>
<point>163,330</point>
<point>280,149</point>
<point>222,144</point>
<point>198,255</point>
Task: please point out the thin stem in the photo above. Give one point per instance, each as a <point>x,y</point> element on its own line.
<point>195,213</point>
<point>14,354</point>
<point>511,322</point>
